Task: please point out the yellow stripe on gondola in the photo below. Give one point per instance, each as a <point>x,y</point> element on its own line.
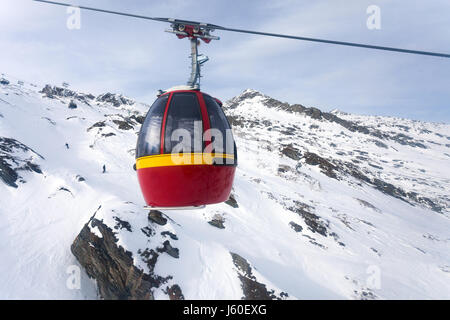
<point>186,159</point>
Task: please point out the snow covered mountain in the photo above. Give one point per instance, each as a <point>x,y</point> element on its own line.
<point>324,205</point>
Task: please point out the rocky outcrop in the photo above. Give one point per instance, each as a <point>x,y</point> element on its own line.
<point>317,114</point>
<point>305,144</point>
<point>7,174</point>
<point>313,221</point>
<point>123,125</point>
<point>295,227</point>
<point>14,158</point>
<point>114,267</point>
<point>114,99</point>
<point>58,92</point>
<point>291,152</point>
<point>217,221</point>
<point>252,289</point>
<point>326,166</point>
<point>72,105</point>
<point>232,201</point>
<point>99,124</point>
<point>139,119</point>
<point>110,265</point>
<point>157,217</point>
<point>389,188</point>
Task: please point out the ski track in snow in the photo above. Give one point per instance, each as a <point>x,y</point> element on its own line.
<point>409,245</point>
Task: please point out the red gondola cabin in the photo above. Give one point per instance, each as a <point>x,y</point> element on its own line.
<point>186,155</point>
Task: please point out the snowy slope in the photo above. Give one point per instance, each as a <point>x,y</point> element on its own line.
<point>328,205</point>
<point>42,217</point>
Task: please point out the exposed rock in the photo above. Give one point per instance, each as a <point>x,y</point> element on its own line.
<point>121,224</point>
<point>171,251</point>
<point>313,113</point>
<point>232,201</point>
<point>282,168</point>
<point>110,265</point>
<point>236,121</point>
<point>48,119</point>
<point>241,264</point>
<point>368,205</point>
<point>296,227</point>
<point>327,167</point>
<point>365,294</point>
<point>380,144</point>
<point>148,231</point>
<point>175,293</point>
<point>138,119</point>
<point>316,114</point>
<point>247,94</point>
<point>52,92</point>
<point>313,221</point>
<point>123,125</point>
<point>16,157</point>
<point>314,242</point>
<point>291,152</point>
<point>72,105</point>
<point>150,257</point>
<point>7,174</point>
<point>170,234</point>
<point>114,99</point>
<point>253,290</point>
<point>375,166</point>
<point>118,272</point>
<point>99,124</point>
<point>217,221</point>
<point>390,189</point>
<point>66,190</point>
<point>106,135</point>
<point>156,217</point>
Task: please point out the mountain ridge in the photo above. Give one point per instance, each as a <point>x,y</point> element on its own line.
<point>317,210</point>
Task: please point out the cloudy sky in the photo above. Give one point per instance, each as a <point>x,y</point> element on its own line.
<point>135,57</point>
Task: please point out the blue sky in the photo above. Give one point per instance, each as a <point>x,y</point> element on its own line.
<point>136,58</point>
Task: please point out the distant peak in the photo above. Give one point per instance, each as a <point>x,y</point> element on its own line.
<point>55,91</point>
<point>115,99</point>
<point>251,92</point>
<point>338,112</point>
